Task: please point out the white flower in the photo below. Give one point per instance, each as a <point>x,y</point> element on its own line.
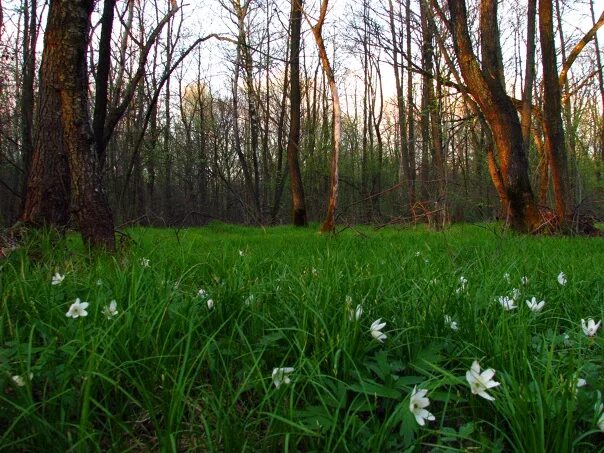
<point>241,253</point>
<point>77,309</point>
<point>376,330</point>
<point>463,284</point>
<point>581,383</point>
<point>534,305</point>
<point>566,339</point>
<point>417,253</point>
<point>249,301</point>
<point>281,376</point>
<point>202,293</point>
<point>481,382</point>
<point>356,314</point>
<point>417,405</point>
<point>562,278</point>
<point>110,310</point>
<point>590,328</point>
<point>57,279</point>
<point>20,380</point>
<point>145,262</point>
<point>515,294</point>
<point>210,303</point>
<point>452,324</point>
<point>506,302</point>
<point>315,273</point>
<point>524,280</point>
<point>506,277</point>
<point>99,282</point>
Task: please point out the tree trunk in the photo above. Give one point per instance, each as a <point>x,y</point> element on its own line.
<point>554,143</point>
<point>329,224</point>
<point>47,193</point>
<point>293,144</point>
<point>92,211</point>
<point>102,79</point>
<point>485,85</point>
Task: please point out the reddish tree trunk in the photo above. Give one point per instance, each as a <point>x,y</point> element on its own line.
<point>486,86</point>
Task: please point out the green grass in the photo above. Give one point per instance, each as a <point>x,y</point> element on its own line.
<point>167,373</point>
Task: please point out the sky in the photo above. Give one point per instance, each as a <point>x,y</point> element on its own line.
<point>202,17</point>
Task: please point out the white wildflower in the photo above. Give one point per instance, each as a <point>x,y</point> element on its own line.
<point>281,376</point>
<point>481,382</point>
<point>57,279</point>
<point>20,381</point>
<point>534,305</point>
<point>590,328</point>
<point>452,324</point>
<point>110,310</point>
<point>145,262</point>
<point>507,303</point>
<point>417,405</point>
<point>562,278</point>
<point>77,309</point>
<point>210,303</point>
<point>376,330</point>
<point>356,314</point>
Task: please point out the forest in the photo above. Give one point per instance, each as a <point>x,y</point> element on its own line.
<point>301,225</point>
<point>267,113</point>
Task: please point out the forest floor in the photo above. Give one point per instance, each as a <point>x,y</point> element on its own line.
<point>229,338</point>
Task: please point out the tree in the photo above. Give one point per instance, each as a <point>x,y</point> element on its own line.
<point>293,144</point>
<point>91,208</point>
<point>486,85</point>
<point>553,129</point>
<point>329,224</point>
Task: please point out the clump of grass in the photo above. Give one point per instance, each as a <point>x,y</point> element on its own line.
<point>172,371</point>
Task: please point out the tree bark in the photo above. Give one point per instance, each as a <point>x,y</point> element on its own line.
<point>485,85</point>
<point>329,224</point>
<point>47,193</point>
<point>102,79</point>
<point>92,211</point>
<point>553,129</point>
<point>293,144</point>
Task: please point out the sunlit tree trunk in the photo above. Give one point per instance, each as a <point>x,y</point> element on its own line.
<point>329,224</point>
<point>486,86</point>
<point>553,129</point>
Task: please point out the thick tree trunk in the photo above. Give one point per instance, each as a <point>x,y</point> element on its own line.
<point>94,217</point>
<point>485,85</point>
<point>293,145</point>
<point>47,193</point>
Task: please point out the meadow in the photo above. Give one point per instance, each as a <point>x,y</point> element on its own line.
<point>229,338</point>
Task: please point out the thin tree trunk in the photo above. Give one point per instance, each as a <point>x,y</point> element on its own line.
<point>293,144</point>
<point>329,224</point>
<point>553,129</point>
